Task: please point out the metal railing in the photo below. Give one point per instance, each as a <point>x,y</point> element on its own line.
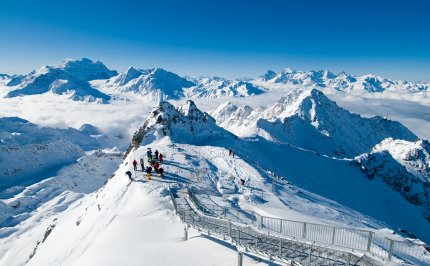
<point>352,239</point>
<point>271,246</point>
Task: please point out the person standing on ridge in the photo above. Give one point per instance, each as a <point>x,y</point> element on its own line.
<point>142,164</point>
<point>229,152</point>
<point>135,164</point>
<point>156,154</point>
<point>149,154</point>
<point>161,158</point>
<point>156,166</point>
<point>128,173</point>
<point>148,173</point>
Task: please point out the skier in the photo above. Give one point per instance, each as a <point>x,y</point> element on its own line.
<point>135,165</point>
<point>142,164</point>
<point>128,173</point>
<point>148,173</point>
<point>161,158</point>
<point>242,182</point>
<point>149,154</point>
<point>161,171</point>
<point>229,152</point>
<point>156,154</point>
<point>156,166</point>
<point>232,153</point>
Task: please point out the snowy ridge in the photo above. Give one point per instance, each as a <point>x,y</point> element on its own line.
<point>29,152</point>
<point>183,124</point>
<point>192,142</point>
<point>308,119</point>
<point>70,78</point>
<point>216,87</point>
<point>415,156</point>
<point>324,80</point>
<point>157,83</point>
<point>380,164</point>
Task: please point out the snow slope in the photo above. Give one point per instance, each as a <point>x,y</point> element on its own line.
<point>415,156</point>
<point>29,152</point>
<point>308,119</point>
<point>339,180</point>
<point>123,219</point>
<point>70,78</point>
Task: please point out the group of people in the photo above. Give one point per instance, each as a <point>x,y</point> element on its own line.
<point>154,160</point>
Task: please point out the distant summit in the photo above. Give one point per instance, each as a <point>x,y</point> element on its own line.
<point>308,119</point>
<point>70,78</point>
<point>324,79</point>
<point>156,83</point>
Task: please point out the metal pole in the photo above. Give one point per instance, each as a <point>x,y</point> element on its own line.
<point>390,250</point>
<point>280,248</point>
<point>304,230</point>
<point>185,233</point>
<point>369,241</point>
<point>280,226</point>
<point>230,231</point>
<point>333,236</point>
<point>261,222</point>
<point>348,260</point>
<point>239,258</point>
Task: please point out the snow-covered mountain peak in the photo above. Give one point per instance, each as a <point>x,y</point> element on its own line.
<point>415,156</point>
<point>298,101</point>
<point>125,77</point>
<point>184,124</point>
<point>216,87</point>
<point>70,78</point>
<point>157,83</point>
<point>189,108</point>
<point>288,70</point>
<point>326,80</point>
<point>268,75</point>
<point>225,110</point>
<point>307,118</point>
<point>86,69</point>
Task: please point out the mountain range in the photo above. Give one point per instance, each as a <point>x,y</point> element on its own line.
<point>85,80</point>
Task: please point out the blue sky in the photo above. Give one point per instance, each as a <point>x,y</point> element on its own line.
<point>224,38</point>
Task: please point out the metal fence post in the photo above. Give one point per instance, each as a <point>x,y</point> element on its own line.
<point>304,230</point>
<point>348,260</point>
<point>280,248</point>
<point>390,250</point>
<point>229,225</point>
<point>369,241</point>
<point>333,235</point>
<point>239,258</point>
<point>261,222</point>
<point>185,233</point>
<point>280,226</point>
